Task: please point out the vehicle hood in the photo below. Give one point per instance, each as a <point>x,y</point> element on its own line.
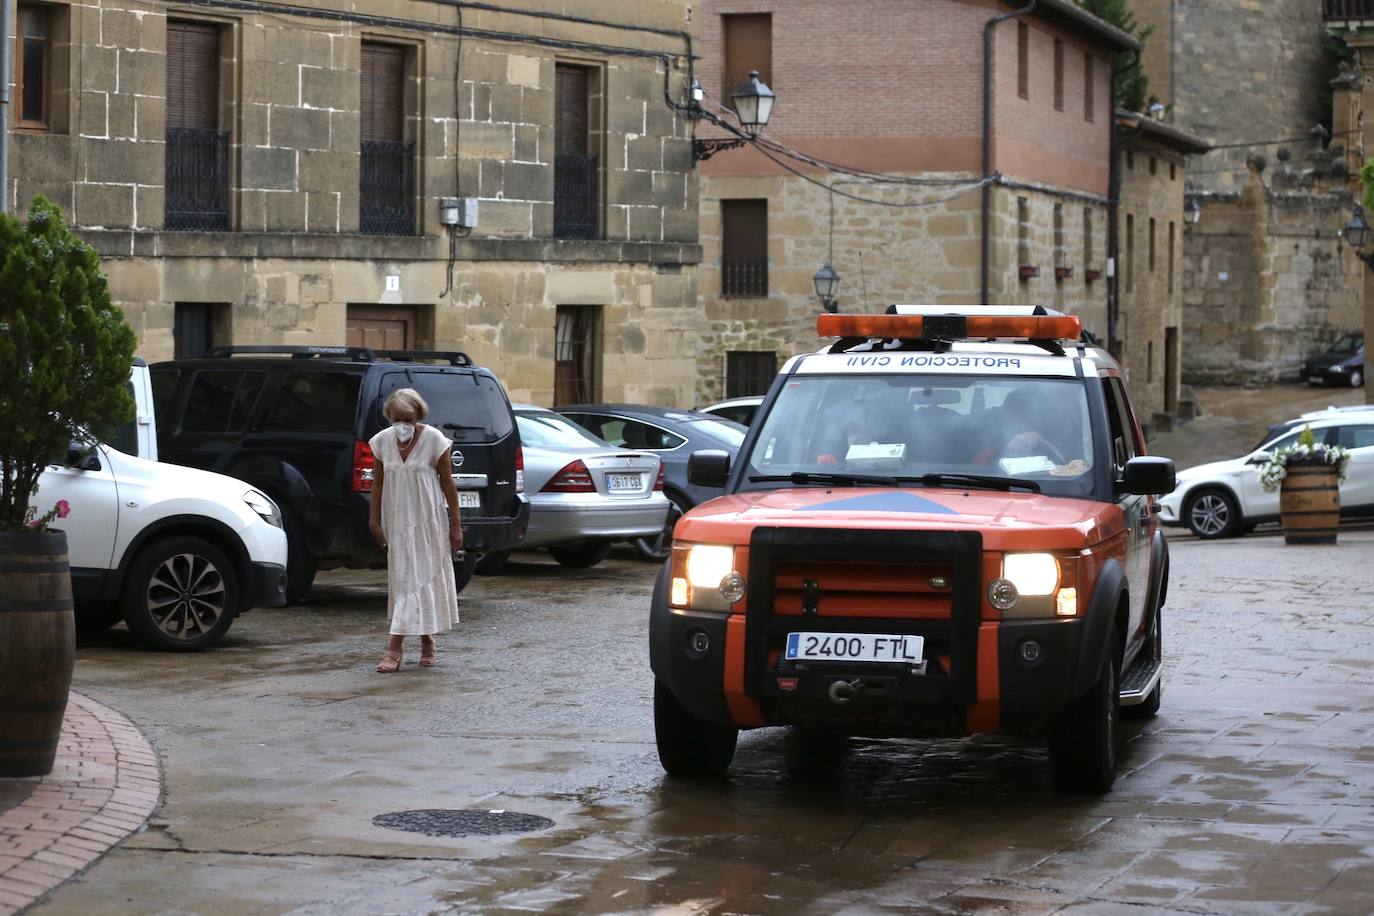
<point>1212,469</point>
<point>174,479</point>
<point>1006,520</point>
<point>1327,360</point>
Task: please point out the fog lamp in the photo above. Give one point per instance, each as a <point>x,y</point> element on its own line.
<point>1030,652</point>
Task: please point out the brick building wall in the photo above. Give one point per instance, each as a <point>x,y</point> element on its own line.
<point>897,87</point>
<point>293,260</point>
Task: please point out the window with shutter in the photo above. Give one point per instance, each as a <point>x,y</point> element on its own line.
<point>387,166</point>
<point>1058,75</point>
<point>33,70</point>
<point>744,248</point>
<point>1089,87</point>
<point>574,167</point>
<point>1023,60</point>
<point>197,195</point>
<point>748,46</point>
<point>749,372</point>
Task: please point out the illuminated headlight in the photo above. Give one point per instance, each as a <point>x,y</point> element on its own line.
<point>1033,574</point>
<point>264,507</point>
<point>707,579</point>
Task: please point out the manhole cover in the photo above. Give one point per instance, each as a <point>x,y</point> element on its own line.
<point>462,822</point>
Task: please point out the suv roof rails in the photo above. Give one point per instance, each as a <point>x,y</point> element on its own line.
<point>357,354</point>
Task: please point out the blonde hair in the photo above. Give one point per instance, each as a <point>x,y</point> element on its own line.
<point>408,401</point>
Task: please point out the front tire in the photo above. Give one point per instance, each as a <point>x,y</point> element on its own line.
<point>1083,742</point>
<point>689,747</point>
<point>1212,513</point>
<point>583,555</point>
<point>300,565</point>
<point>181,595</point>
<point>1356,378</point>
<point>463,570</point>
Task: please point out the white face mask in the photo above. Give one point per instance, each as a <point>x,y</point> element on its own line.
<point>404,431</point>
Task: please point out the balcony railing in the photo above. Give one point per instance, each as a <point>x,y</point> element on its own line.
<point>744,276</point>
<point>387,188</point>
<point>1345,10</point>
<point>574,196</point>
<point>197,197</point>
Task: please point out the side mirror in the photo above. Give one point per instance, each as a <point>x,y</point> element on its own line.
<point>1148,475</point>
<point>709,468</point>
<point>1258,458</point>
<point>82,459</point>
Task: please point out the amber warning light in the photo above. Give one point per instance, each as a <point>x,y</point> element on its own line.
<point>950,327</point>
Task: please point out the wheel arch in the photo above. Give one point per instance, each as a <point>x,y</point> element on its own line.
<point>1108,612</point>
<point>208,529</point>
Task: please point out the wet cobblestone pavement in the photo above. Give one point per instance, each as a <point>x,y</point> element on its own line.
<point>1253,791</point>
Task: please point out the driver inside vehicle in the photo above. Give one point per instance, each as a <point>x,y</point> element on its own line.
<point>1037,437</point>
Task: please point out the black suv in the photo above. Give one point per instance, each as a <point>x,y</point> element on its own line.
<point>295,422</point>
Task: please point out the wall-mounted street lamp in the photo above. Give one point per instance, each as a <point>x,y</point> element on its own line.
<point>1192,211</point>
<point>1359,236</point>
<point>753,106</point>
<point>827,286</point>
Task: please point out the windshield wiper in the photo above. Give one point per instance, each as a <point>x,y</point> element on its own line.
<point>974,480</point>
<point>801,478</point>
<point>461,426</point>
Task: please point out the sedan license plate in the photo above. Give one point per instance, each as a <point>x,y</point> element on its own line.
<point>854,647</point>
<point>469,500</point>
<point>617,483</point>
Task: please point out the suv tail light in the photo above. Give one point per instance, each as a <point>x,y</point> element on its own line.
<point>575,478</point>
<point>520,469</point>
<point>363,467</point>
<point>658,481</point>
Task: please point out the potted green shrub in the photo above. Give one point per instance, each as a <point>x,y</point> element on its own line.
<point>1308,476</point>
<point>65,353</point>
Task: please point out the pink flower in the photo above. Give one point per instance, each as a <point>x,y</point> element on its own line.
<point>34,523</point>
<point>64,508</point>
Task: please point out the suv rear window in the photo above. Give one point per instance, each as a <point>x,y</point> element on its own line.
<point>464,406</point>
<point>314,402</point>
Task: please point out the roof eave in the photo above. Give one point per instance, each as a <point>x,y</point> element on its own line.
<point>1119,39</point>
<point>1163,134</point>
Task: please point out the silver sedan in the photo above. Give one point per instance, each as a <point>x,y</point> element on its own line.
<point>585,493</point>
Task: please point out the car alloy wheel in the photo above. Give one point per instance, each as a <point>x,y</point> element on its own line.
<point>186,596</point>
<point>1210,515</point>
<point>1356,378</point>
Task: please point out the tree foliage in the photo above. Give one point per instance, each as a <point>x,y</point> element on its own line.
<point>65,352</point>
<point>1132,86</point>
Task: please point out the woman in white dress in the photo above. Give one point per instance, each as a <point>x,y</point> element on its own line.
<point>414,518</point>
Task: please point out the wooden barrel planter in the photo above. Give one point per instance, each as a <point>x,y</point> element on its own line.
<point>37,649</point>
<point>1310,504</point>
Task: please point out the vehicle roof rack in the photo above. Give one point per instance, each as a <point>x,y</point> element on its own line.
<point>357,354</point>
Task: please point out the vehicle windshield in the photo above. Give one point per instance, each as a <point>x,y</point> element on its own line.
<point>1025,432</point>
<point>546,429</point>
<point>1350,343</point>
<point>726,431</point>
<point>464,406</point>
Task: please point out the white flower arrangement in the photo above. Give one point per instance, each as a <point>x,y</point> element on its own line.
<point>1307,451</point>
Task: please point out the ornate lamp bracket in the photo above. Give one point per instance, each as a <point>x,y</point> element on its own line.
<point>705,149</point>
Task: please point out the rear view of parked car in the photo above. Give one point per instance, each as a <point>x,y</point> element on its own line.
<point>295,422</point>
<point>672,435</point>
<point>585,493</point>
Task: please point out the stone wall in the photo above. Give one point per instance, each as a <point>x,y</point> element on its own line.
<point>290,90</point>
<point>1268,280</point>
<point>885,254</point>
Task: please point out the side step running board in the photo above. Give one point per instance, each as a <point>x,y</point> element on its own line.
<point>1140,681</point>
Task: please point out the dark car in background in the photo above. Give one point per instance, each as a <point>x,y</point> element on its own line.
<point>295,422</point>
<point>672,435</point>
<point>1341,364</point>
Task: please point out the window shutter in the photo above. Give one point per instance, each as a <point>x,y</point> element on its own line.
<point>383,92</point>
<point>192,75</point>
<point>571,124</point>
<point>748,46</point>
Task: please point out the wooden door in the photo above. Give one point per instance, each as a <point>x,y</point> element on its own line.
<point>390,328</point>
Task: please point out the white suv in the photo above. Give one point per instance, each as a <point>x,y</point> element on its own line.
<point>175,552</point>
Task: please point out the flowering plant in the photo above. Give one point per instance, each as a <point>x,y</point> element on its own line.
<point>1307,451</point>
<point>41,523</point>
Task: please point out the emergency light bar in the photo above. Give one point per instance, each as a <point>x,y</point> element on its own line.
<point>950,326</point>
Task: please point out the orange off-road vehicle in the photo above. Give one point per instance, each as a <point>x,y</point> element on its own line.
<point>941,524</point>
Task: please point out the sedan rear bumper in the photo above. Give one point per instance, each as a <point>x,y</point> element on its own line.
<point>557,519</point>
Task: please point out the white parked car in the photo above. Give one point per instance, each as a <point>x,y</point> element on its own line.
<point>176,553</point>
<point>1224,498</point>
<point>740,410</point>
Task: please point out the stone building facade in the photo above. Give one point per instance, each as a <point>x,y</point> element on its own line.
<point>876,102</point>
<point>1152,161</point>
<point>272,173</point>
<point>1266,280</point>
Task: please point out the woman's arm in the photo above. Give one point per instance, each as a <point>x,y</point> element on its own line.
<point>444,468</point>
<point>374,509</point>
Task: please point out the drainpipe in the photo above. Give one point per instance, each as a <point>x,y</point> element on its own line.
<point>1113,214</point>
<point>987,134</point>
<point>4,106</point>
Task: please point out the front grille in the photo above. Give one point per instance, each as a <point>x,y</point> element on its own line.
<point>861,581</point>
<point>879,590</point>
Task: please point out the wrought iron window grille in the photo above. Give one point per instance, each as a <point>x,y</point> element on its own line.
<point>197,180</point>
<point>387,188</point>
<point>574,196</point>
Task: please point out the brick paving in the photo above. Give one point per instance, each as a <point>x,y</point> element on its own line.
<point>103,786</point>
